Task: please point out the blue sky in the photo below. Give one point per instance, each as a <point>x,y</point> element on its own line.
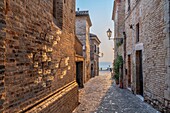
<point>100,14</point>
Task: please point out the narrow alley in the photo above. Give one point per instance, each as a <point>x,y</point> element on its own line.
<point>84,56</point>
<point>101,95</point>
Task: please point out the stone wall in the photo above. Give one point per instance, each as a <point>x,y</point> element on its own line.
<point>93,59</point>
<point>151,16</point>
<point>88,50</point>
<point>119,15</point>
<point>119,25</point>
<point>94,55</point>
<point>39,57</point>
<point>78,47</point>
<point>82,32</point>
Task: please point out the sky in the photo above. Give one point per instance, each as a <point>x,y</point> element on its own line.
<point>101,16</point>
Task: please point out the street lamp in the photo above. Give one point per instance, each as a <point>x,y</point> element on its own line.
<point>109,34</point>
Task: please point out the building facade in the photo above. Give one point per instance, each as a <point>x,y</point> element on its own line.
<point>79,63</point>
<point>119,27</point>
<point>83,24</point>
<point>147,50</point>
<point>37,56</point>
<point>94,54</point>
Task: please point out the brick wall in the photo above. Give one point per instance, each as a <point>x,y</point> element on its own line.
<point>39,56</point>
<point>2,55</point>
<point>151,18</point>
<point>88,50</point>
<point>119,15</point>
<point>167,46</point>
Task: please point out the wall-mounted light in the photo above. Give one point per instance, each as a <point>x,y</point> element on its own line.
<point>109,34</point>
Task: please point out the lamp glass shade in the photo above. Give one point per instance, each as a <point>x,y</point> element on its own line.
<point>109,33</point>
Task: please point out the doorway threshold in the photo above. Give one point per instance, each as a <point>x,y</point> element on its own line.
<point>140,97</point>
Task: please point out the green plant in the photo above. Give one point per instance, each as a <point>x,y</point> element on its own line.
<point>118,44</point>
<point>117,64</point>
<point>116,76</point>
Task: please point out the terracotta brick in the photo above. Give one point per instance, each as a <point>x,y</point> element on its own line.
<point>37,55</point>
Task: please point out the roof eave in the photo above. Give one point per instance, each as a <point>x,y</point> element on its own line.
<point>96,38</point>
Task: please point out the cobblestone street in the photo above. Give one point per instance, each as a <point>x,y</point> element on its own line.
<point>101,96</point>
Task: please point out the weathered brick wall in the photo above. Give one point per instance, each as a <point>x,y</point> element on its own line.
<point>118,18</point>
<point>119,24</point>
<point>59,102</point>
<point>167,46</point>
<point>81,31</point>
<point>88,50</point>
<point>39,57</point>
<point>150,14</point>
<point>2,51</point>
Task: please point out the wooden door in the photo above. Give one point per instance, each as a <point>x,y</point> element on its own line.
<point>129,71</point>
<point>139,73</point>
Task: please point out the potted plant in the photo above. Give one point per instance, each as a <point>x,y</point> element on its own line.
<point>116,77</point>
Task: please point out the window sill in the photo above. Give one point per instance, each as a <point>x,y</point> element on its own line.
<point>54,23</point>
<point>54,26</point>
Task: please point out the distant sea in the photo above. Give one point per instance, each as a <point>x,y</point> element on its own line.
<point>105,65</point>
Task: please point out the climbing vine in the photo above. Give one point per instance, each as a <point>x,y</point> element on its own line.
<point>117,64</point>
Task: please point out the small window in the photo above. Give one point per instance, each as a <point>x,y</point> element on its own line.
<point>55,9</point>
<point>137,32</point>
<point>95,49</point>
<point>128,5</point>
<point>58,12</point>
<point>92,67</point>
<point>98,50</point>
<point>84,47</point>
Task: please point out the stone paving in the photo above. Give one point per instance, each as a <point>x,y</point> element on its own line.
<point>100,95</point>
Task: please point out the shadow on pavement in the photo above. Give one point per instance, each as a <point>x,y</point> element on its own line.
<point>119,100</point>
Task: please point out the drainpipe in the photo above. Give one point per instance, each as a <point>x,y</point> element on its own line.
<point>124,63</point>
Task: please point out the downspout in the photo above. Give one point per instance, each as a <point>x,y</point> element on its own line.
<point>124,63</point>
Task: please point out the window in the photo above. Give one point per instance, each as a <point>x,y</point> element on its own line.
<point>137,32</point>
<point>92,67</point>
<point>98,50</point>
<point>95,49</point>
<point>58,13</point>
<point>55,9</point>
<point>128,5</point>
